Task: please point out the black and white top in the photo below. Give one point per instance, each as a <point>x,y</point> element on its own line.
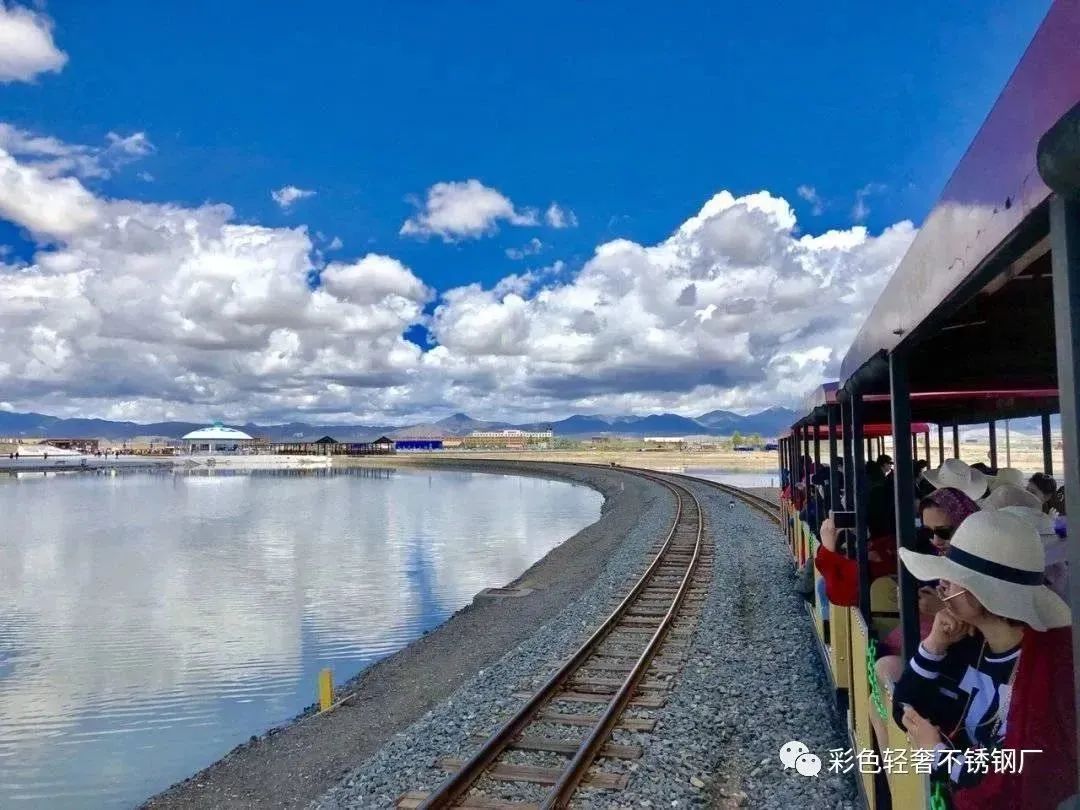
<point>965,693</point>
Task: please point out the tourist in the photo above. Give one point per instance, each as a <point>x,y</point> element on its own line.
<point>955,474</point>
<point>1044,487</point>
<point>1005,631</point>
<point>1007,476</point>
<point>941,513</point>
<point>885,464</point>
<point>922,486</point>
<point>1055,547</point>
<point>1009,495</point>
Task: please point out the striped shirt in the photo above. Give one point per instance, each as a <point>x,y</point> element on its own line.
<point>967,689</point>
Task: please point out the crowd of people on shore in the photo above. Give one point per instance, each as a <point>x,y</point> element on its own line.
<point>993,670</point>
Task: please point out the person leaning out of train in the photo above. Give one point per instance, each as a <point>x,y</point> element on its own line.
<point>840,573</point>
<point>995,670</point>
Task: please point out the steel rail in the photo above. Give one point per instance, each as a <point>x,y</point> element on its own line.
<point>559,795</point>
<point>461,781</point>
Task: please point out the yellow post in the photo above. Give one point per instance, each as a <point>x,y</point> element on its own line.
<point>326,690</point>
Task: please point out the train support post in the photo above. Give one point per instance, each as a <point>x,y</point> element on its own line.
<point>1065,259</point>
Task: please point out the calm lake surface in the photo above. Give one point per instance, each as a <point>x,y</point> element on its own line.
<point>150,622</point>
<point>735,478</point>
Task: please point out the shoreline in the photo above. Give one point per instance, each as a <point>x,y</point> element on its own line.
<point>293,764</point>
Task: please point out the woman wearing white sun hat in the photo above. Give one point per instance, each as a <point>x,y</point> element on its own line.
<point>1004,495</point>
<point>1007,475</point>
<point>996,669</point>
<point>1055,548</point>
<point>957,475</point>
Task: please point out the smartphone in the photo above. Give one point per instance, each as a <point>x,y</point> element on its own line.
<point>844,520</point>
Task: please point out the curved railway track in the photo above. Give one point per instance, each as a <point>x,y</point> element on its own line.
<point>628,661</point>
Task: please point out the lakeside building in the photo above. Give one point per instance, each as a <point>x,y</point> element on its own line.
<point>509,439</point>
<point>418,444</point>
<point>216,439</point>
<point>329,446</point>
<point>678,442</point>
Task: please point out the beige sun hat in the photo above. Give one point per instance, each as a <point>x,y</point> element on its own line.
<point>999,558</point>
<point>1007,475</point>
<point>1010,495</point>
<point>955,474</point>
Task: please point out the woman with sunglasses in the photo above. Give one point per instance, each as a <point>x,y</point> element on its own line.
<point>995,670</point>
<point>940,513</point>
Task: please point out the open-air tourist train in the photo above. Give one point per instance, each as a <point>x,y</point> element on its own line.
<point>980,322</point>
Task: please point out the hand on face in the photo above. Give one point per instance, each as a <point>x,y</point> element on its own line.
<point>947,630</point>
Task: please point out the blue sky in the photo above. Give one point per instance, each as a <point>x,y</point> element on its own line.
<point>631,116</point>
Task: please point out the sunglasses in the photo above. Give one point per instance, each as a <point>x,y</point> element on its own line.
<point>943,532</point>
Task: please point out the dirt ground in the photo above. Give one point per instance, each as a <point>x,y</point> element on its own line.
<point>669,460</point>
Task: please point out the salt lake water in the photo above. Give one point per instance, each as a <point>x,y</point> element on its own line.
<point>150,622</point>
<point>735,478</point>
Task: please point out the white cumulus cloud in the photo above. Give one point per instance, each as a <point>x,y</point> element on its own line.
<point>26,44</point>
<point>137,307</point>
<point>154,310</point>
<point>733,310</point>
<point>464,209</point>
<point>286,196</point>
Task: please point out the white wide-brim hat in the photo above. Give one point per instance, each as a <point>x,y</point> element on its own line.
<point>1056,549</point>
<point>1010,495</point>
<point>999,558</point>
<point>955,474</point>
<point>1007,475</point>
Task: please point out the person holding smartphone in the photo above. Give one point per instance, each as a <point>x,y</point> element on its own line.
<point>978,681</point>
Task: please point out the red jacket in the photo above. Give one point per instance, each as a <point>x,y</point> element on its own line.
<point>841,574</point>
<point>1042,715</point>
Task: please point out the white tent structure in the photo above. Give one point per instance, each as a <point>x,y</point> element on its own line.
<point>43,449</point>
<point>216,439</point>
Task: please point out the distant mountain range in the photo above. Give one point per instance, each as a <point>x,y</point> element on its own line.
<point>768,423</point>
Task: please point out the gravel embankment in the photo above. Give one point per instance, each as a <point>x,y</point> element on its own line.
<point>752,682</point>
<point>292,765</point>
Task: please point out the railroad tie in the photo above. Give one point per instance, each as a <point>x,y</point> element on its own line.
<point>415,798</point>
<point>644,701</point>
<point>570,747</point>
<point>627,723</point>
<point>541,776</point>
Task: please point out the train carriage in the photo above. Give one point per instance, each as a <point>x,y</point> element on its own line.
<point>980,322</point>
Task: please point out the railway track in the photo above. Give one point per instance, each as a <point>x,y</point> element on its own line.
<point>629,661</point>
<point>756,501</point>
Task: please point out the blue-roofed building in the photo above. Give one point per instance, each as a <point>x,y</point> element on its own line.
<point>418,445</point>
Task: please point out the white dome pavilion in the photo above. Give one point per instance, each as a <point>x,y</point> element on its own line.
<point>216,439</point>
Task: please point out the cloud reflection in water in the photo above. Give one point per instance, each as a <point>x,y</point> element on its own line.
<point>150,622</point>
